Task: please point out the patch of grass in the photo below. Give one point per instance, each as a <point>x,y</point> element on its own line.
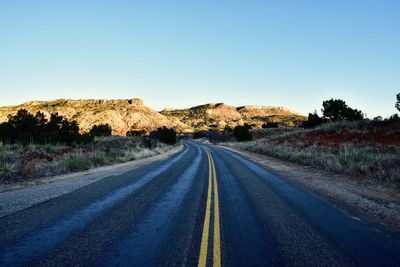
<point>350,157</point>
<point>368,161</point>
<point>100,158</point>
<point>139,154</point>
<point>5,156</point>
<point>6,168</point>
<point>76,162</point>
<point>32,147</point>
<point>116,155</point>
<point>19,162</point>
<point>53,148</point>
<point>338,125</point>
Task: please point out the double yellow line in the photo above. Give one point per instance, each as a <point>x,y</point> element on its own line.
<point>212,184</point>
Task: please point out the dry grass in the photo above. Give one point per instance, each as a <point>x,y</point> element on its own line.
<point>334,147</point>
<point>18,162</point>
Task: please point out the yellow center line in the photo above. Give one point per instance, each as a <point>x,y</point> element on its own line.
<point>204,238</point>
<point>212,180</point>
<point>217,239</point>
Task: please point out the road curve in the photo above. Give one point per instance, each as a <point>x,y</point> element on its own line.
<point>204,206</point>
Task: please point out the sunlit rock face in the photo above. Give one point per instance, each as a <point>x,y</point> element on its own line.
<point>135,102</point>
<point>131,114</point>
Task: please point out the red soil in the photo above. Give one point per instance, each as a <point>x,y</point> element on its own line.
<point>379,133</point>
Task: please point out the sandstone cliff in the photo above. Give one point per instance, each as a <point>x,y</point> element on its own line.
<point>127,114</point>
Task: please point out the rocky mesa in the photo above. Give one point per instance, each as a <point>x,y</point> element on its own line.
<point>131,114</point>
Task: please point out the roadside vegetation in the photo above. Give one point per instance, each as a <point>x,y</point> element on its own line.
<point>341,140</point>
<point>21,162</point>
<point>32,146</point>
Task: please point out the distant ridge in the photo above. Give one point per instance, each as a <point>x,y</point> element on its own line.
<point>127,114</point>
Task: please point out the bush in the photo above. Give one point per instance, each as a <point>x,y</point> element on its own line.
<point>86,138</point>
<point>6,168</point>
<point>76,162</point>
<point>101,130</point>
<point>270,124</point>
<point>149,143</point>
<point>313,120</point>
<point>198,135</point>
<point>216,136</point>
<point>99,158</point>
<point>242,133</point>
<point>133,133</point>
<point>165,135</point>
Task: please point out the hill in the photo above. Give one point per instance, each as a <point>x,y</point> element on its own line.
<point>122,114</point>
<point>127,114</point>
<point>218,116</point>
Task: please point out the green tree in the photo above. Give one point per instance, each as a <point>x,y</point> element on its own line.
<point>337,109</point>
<point>25,127</point>
<point>165,135</point>
<point>242,133</point>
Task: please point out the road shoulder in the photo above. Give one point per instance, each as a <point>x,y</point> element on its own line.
<point>367,200</point>
<point>16,197</point>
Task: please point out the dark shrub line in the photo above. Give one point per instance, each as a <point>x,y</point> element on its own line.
<point>27,128</point>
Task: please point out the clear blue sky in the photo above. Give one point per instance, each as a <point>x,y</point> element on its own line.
<point>183,53</point>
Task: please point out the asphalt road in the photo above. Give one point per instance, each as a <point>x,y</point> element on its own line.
<point>204,206</point>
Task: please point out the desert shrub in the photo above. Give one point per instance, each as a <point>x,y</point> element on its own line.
<point>242,133</point>
<point>77,162</point>
<point>313,120</point>
<point>51,148</point>
<point>133,133</point>
<point>198,135</point>
<point>350,157</point>
<point>139,153</point>
<point>228,130</point>
<point>130,154</point>
<point>216,136</point>
<point>6,155</point>
<point>165,135</point>
<point>86,138</point>
<point>101,130</point>
<point>149,143</point>
<point>7,168</point>
<point>99,158</point>
<point>270,124</point>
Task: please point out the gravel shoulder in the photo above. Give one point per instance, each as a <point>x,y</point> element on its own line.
<point>15,197</point>
<point>368,200</point>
